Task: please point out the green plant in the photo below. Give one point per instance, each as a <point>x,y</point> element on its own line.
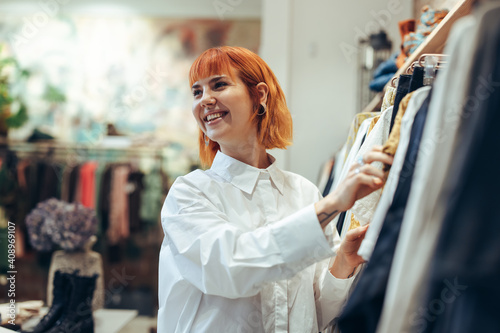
<point>10,74</point>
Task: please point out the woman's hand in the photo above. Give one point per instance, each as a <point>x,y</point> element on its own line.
<point>347,258</point>
<point>362,179</point>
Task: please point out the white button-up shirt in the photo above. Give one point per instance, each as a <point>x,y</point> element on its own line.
<point>244,252</point>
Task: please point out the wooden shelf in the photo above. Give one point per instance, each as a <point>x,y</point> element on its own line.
<point>434,43</point>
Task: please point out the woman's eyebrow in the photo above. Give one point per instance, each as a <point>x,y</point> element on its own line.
<point>212,80</point>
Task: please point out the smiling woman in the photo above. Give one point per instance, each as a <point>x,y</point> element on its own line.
<point>239,68</point>
<point>249,247</point>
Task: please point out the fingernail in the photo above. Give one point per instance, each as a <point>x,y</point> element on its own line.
<point>377,181</point>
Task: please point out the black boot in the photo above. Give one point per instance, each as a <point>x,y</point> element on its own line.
<point>61,292</point>
<point>77,317</point>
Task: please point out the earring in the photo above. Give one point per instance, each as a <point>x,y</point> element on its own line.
<point>262,109</point>
<point>206,139</point>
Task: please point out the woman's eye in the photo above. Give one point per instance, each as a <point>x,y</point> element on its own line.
<point>220,84</point>
<point>196,92</point>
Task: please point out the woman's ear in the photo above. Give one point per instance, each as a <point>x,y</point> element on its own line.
<point>263,90</point>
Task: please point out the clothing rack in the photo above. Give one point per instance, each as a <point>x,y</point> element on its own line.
<point>71,153</point>
<point>434,43</point>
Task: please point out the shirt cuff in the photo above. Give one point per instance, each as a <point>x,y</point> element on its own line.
<point>300,237</point>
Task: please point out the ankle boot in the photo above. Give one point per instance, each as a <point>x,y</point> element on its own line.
<point>61,292</point>
<point>77,317</point>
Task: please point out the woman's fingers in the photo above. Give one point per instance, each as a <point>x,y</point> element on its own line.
<point>356,233</point>
<point>374,155</point>
<point>378,156</point>
<point>368,169</point>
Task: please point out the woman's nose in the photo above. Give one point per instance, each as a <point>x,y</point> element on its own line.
<point>207,99</point>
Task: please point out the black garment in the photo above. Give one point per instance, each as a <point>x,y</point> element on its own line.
<point>401,92</point>
<point>50,182</point>
<point>417,79</point>
<point>104,205</point>
<point>363,309</point>
<point>134,199</point>
<point>331,176</point>
<point>73,181</point>
<point>463,284</point>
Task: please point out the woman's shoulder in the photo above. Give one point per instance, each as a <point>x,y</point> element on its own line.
<point>195,179</point>
<point>298,181</point>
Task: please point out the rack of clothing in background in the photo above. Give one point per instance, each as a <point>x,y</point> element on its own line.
<point>432,250</point>
<point>126,186</point>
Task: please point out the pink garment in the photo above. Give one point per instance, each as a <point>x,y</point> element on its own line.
<point>119,227</point>
<point>87,184</point>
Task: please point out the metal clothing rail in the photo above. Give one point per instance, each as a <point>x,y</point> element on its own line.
<point>70,153</point>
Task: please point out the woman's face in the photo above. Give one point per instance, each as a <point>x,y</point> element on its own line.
<point>223,108</point>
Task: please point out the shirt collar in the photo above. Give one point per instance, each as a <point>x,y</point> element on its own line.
<point>245,176</point>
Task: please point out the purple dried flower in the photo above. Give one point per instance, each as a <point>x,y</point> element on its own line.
<point>37,230</point>
<point>57,222</point>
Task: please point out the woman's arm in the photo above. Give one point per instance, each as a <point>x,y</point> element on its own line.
<point>221,258</point>
<point>362,180</point>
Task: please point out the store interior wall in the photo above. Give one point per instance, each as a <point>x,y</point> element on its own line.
<point>167,8</point>
<point>312,47</point>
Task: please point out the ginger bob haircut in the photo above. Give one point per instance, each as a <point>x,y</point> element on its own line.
<point>274,128</point>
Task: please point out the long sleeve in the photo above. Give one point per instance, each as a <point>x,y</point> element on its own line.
<point>223,257</point>
<point>330,293</point>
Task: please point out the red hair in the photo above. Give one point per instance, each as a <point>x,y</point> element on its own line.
<point>274,128</point>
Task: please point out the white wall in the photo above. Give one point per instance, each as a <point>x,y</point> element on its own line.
<point>169,8</point>
<point>320,78</point>
<point>302,42</point>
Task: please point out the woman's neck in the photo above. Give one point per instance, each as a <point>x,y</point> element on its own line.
<point>255,156</point>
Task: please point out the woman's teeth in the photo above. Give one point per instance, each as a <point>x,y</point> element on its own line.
<point>213,116</point>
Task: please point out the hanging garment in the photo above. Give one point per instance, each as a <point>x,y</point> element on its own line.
<point>99,172</point>
<point>425,208</point>
<point>362,311</point>
<point>50,177</point>
<point>389,97</point>
<point>391,145</point>
<point>325,180</point>
<point>73,184</point>
<point>66,175</point>
<point>417,79</point>
<point>87,180</point>
<point>463,289</point>
<point>152,197</point>
<point>359,118</point>
<point>364,208</point>
<point>104,203</point>
<point>119,225</point>
<point>338,221</point>
<point>402,166</point>
<point>134,190</point>
<point>401,91</point>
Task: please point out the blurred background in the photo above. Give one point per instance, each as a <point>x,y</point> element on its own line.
<point>96,109</point>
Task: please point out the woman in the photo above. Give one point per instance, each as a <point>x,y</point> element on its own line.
<point>248,247</point>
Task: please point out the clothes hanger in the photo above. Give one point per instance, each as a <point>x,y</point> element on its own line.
<point>431,63</point>
<point>394,82</point>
